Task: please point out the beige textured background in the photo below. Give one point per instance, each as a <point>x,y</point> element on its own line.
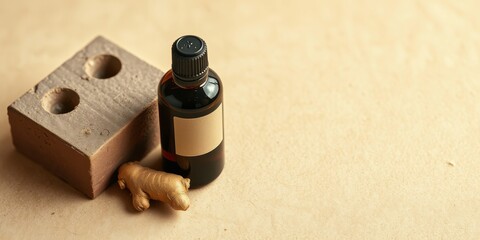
<point>344,119</point>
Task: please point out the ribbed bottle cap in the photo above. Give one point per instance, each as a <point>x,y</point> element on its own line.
<point>189,58</point>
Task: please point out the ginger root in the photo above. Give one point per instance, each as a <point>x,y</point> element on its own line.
<point>145,184</point>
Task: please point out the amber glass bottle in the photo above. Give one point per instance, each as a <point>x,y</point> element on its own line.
<point>190,97</point>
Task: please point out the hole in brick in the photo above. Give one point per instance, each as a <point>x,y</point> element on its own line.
<point>103,66</point>
<point>60,100</point>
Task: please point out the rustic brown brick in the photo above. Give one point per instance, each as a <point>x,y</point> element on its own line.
<point>94,112</point>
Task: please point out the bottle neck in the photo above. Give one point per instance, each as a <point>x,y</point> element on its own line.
<point>188,84</point>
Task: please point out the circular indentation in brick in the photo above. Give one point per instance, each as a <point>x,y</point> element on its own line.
<point>60,100</point>
<point>103,66</point>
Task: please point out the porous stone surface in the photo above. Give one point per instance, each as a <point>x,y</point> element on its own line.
<point>94,112</point>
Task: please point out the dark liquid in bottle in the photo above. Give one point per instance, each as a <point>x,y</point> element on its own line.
<point>202,169</point>
<point>175,101</point>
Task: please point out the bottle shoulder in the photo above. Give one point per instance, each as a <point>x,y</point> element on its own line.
<point>190,98</point>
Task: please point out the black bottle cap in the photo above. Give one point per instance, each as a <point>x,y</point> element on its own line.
<point>189,59</point>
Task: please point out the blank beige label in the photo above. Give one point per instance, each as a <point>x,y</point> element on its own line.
<point>198,136</point>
